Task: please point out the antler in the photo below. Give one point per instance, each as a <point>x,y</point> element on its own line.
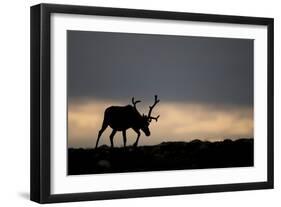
<point>156,101</point>
<point>135,102</point>
<point>155,118</point>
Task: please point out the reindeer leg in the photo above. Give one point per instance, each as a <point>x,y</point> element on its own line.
<point>138,133</point>
<point>124,137</point>
<point>100,133</point>
<point>111,136</point>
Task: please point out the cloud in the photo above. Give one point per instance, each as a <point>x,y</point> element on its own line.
<point>177,122</point>
<point>104,65</point>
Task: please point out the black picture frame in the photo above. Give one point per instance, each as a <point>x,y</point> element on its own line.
<point>40,184</point>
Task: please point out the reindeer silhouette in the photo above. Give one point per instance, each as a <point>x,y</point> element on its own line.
<point>121,118</point>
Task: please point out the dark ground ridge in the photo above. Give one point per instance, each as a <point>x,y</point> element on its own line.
<point>195,154</point>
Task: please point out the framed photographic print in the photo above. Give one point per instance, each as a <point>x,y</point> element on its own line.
<point>132,103</point>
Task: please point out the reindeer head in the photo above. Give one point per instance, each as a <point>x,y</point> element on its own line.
<point>146,119</point>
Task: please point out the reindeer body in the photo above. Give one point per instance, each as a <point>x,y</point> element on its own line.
<point>121,118</point>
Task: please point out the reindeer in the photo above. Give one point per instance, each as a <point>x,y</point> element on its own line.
<point>121,118</point>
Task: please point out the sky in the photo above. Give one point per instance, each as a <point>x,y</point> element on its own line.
<point>205,85</point>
